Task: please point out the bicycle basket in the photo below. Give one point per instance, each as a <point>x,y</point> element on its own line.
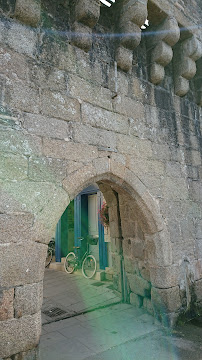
<point>92,240</point>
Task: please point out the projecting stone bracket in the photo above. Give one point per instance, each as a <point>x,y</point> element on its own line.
<point>86,15</point>
<point>133,15</point>
<point>185,57</point>
<point>166,36</point>
<point>28,11</point>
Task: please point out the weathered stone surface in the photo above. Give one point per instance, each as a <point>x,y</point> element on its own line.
<point>159,249</point>
<point>28,11</point>
<point>39,198</point>
<point>72,119</point>
<point>47,169</point>
<point>104,119</point>
<point>78,180</point>
<point>147,304</point>
<point>23,97</point>
<point>59,105</point>
<point>94,136</point>
<point>166,299</point>
<point>187,52</point>
<point>28,299</point>
<point>124,58</point>
<point>139,285</point>
<point>14,271</point>
<point>144,92</point>
<point>68,150</point>
<point>134,146</point>
<point>89,92</point>
<point>198,291</point>
<point>19,143</point>
<point>81,36</point>
<point>18,335</point>
<point>128,107</point>
<point>198,269</point>
<point>48,127</point>
<point>150,167</point>
<point>47,77</point>
<point>126,243</point>
<point>13,167</point>
<point>116,244</point>
<point>136,300</point>
<point>27,355</point>
<point>167,36</point>
<point>15,228</point>
<point>6,304</point>
<point>20,38</point>
<point>137,248</point>
<point>87,13</point>
<point>116,263</point>
<point>13,64</point>
<point>165,277</point>
<point>175,189</point>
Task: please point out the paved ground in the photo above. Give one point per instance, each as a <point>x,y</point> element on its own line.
<point>73,294</point>
<point>118,332</point>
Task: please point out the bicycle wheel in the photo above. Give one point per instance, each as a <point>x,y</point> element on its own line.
<point>70,263</point>
<point>49,257</point>
<point>89,267</point>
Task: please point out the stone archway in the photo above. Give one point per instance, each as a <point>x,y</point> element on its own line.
<point>23,258</point>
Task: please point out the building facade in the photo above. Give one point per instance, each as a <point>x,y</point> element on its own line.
<point>91,95</point>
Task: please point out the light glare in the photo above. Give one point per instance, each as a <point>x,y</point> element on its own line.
<point>107,3</point>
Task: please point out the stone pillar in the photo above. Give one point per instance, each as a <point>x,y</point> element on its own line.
<point>21,288</point>
<point>115,233</point>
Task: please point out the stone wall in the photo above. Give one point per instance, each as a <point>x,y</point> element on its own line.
<point>68,119</point>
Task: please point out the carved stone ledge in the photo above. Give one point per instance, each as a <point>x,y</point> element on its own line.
<point>87,14</point>
<point>167,35</point>
<point>28,11</point>
<point>185,58</point>
<point>133,15</point>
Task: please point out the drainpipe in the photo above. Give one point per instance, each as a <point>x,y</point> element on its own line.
<point>58,242</point>
<point>124,291</point>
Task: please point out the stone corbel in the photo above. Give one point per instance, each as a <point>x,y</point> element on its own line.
<point>165,37</point>
<point>28,11</point>
<point>186,55</point>
<point>198,83</point>
<point>133,16</point>
<point>86,15</point>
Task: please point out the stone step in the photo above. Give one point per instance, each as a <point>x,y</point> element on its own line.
<point>59,266</point>
<point>108,276</point>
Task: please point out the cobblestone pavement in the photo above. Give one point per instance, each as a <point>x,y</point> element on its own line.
<point>119,331</point>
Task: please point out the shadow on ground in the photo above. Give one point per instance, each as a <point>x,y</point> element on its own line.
<point>119,331</point>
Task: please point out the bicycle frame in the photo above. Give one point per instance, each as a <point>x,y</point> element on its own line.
<point>79,260</point>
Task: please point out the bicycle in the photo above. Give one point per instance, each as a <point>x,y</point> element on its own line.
<point>50,252</point>
<point>87,262</point>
